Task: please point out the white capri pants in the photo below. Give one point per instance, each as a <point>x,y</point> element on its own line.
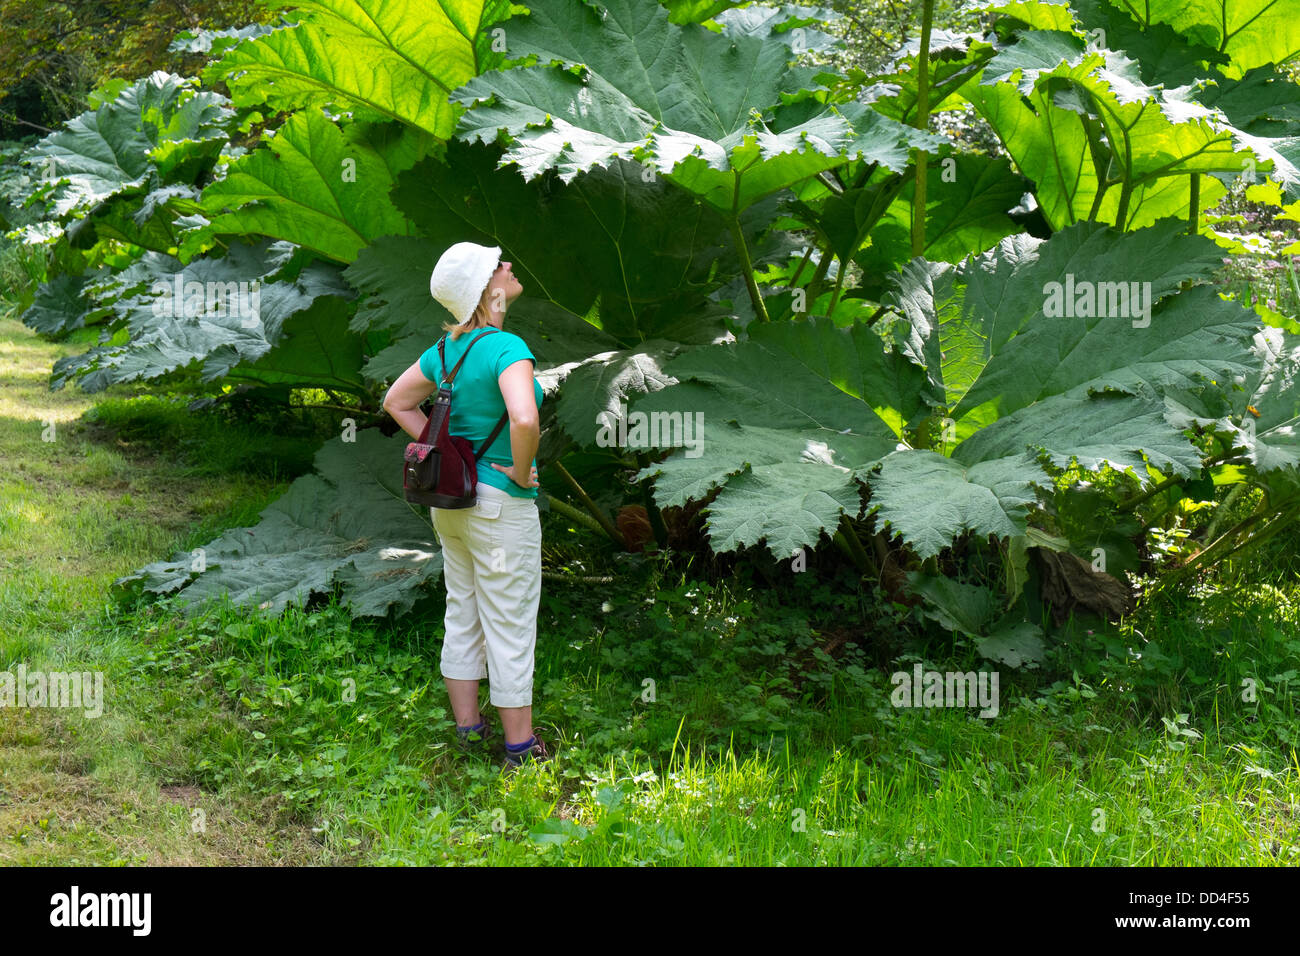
<point>492,564</point>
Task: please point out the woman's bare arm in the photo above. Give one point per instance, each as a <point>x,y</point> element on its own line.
<point>521,404</point>
<point>404,397</point>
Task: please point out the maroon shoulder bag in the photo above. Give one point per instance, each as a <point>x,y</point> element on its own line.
<point>444,474</point>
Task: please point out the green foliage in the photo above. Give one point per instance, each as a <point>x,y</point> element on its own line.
<point>212,311</point>
<point>1112,149</point>
<point>156,131</point>
<point>55,51</point>
<point>709,111</point>
<point>392,58</point>
<point>652,257</point>
<point>712,226</point>
<point>967,201</point>
<point>1251,33</point>
<point>347,525</point>
<point>782,441</point>
<point>215,41</point>
<point>311,185</point>
<point>1006,380</point>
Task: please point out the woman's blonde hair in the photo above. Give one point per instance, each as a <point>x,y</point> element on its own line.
<point>477,319</point>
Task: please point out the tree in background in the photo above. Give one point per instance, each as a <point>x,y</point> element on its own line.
<point>54,53</point>
<point>875,31</point>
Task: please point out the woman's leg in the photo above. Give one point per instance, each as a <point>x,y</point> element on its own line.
<point>463,695</point>
<point>464,657</point>
<point>505,539</point>
<point>516,723</point>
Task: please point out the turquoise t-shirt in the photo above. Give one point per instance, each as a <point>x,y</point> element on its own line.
<point>476,401</point>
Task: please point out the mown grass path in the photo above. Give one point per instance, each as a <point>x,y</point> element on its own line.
<point>77,510</point>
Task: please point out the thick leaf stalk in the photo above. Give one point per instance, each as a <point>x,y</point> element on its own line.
<point>601,518</point>
<point>922,121</point>
<point>747,269</point>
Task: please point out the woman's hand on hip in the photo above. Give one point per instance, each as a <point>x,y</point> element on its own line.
<point>510,473</point>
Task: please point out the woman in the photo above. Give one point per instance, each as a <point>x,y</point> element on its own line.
<point>492,552</point>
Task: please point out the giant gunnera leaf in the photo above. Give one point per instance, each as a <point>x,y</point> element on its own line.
<point>157,124</point>
<point>1103,145</point>
<point>706,110</point>
<point>1004,369</point>
<point>309,184</point>
<point>1263,417</point>
<point>226,313</point>
<point>779,425</point>
<point>1251,32</point>
<point>395,58</point>
<point>347,527</point>
<point>1047,353</point>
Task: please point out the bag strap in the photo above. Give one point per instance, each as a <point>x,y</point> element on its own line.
<point>493,437</point>
<point>424,432</point>
<point>449,379</point>
<point>442,356</point>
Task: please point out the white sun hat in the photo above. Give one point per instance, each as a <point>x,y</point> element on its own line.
<point>461,275</point>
